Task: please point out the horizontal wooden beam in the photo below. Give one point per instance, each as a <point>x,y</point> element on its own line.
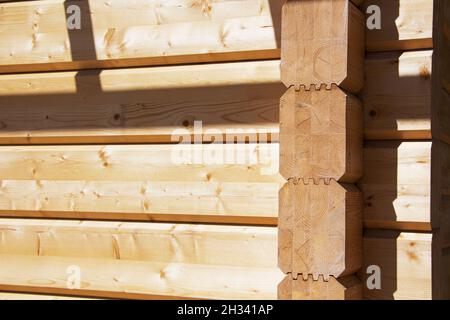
<point>139,260</point>
<point>109,37</point>
<point>406,186</point>
<point>85,107</point>
<point>405,25</point>
<point>228,202</point>
<point>219,183</point>
<point>405,262</point>
<point>397,185</point>
<point>136,279</point>
<point>216,162</point>
<point>120,34</point>
<point>397,96</point>
<point>152,105</point>
<point>163,242</point>
<point>236,261</point>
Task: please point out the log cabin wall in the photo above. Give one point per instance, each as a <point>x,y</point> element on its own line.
<point>406,181</point>
<point>321,141</point>
<point>88,179</point>
<point>90,121</point>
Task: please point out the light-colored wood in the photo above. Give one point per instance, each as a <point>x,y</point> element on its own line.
<point>405,260</point>
<point>186,162</point>
<point>397,185</point>
<point>397,96</point>
<point>238,246</point>
<point>139,260</point>
<point>346,288</point>
<point>321,135</point>
<point>118,33</point>
<point>24,296</point>
<point>405,25</point>
<point>326,229</point>
<point>229,202</point>
<point>136,279</point>
<point>322,43</point>
<point>235,183</point>
<point>221,95</point>
<point>406,186</point>
<point>238,100</point>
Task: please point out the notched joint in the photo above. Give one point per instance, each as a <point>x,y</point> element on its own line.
<point>312,276</point>
<point>310,181</point>
<point>314,86</point>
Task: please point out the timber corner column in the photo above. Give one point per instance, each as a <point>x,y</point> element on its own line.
<point>321,141</point>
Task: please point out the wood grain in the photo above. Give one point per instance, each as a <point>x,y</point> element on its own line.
<point>160,162</point>
<point>397,185</point>
<point>325,231</point>
<point>236,100</point>
<point>137,279</point>
<point>321,135</point>
<point>397,96</point>
<point>322,43</point>
<point>227,202</point>
<point>120,34</point>
<point>405,25</point>
<point>405,260</point>
<point>223,245</point>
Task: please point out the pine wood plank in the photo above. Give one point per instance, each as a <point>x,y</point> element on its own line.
<point>406,262</point>
<point>223,245</point>
<point>397,185</point>
<point>194,162</point>
<point>34,35</point>
<point>235,183</point>
<point>405,25</point>
<point>397,96</point>
<point>220,202</point>
<point>160,104</point>
<point>139,260</point>
<point>137,279</point>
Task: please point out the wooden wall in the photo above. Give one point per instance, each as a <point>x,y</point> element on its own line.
<point>87,170</point>
<point>86,177</point>
<point>405,181</point>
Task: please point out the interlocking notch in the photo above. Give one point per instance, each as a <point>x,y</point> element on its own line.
<point>320,228</point>
<point>321,140</point>
<point>323,42</point>
<point>345,288</point>
<point>321,134</point>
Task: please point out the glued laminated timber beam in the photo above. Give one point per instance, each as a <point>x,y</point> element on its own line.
<point>139,260</point>
<point>34,35</point>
